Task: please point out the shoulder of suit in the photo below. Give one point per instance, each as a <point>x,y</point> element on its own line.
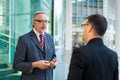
<point>81,47</point>
<point>80,51</point>
<point>48,35</point>
<point>26,35</point>
<point>113,52</point>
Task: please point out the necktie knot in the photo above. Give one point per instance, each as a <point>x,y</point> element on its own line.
<point>41,36</point>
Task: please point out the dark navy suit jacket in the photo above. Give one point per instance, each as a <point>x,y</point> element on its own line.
<point>93,61</point>
<point>29,50</point>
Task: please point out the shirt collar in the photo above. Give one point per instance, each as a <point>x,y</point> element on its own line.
<point>37,33</point>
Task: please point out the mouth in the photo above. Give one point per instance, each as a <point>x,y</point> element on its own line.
<point>43,27</point>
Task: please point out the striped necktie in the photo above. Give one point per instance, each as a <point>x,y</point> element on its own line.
<point>41,40</point>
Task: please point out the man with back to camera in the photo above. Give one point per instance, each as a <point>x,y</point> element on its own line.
<point>94,61</point>
<point>35,53</point>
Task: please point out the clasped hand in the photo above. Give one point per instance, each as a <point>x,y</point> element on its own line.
<point>44,64</point>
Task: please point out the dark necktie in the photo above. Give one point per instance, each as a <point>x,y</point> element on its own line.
<point>41,40</point>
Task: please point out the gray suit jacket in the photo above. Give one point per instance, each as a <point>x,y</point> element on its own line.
<point>29,50</point>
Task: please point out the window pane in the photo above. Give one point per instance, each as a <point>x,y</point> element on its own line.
<point>4,38</point>
<point>22,6</point>
<point>22,25</point>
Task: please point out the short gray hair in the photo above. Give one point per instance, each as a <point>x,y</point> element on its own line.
<point>39,12</point>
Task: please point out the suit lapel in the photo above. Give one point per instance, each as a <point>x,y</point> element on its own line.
<point>35,40</point>
<point>45,42</point>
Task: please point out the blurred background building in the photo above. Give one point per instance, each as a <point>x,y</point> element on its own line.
<point>65,18</point>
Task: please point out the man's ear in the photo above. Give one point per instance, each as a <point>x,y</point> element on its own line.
<point>90,28</point>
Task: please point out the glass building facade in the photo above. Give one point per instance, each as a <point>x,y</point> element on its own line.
<point>16,20</point>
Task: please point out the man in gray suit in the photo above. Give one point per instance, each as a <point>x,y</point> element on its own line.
<point>35,56</point>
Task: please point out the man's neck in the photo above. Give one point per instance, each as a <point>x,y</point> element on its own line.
<point>92,37</point>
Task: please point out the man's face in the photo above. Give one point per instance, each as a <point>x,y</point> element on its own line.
<point>85,31</point>
<point>40,23</point>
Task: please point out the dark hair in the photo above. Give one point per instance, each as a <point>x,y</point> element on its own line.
<point>99,23</point>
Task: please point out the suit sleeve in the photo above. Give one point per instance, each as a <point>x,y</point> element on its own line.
<point>76,68</point>
<point>19,63</point>
<point>54,54</point>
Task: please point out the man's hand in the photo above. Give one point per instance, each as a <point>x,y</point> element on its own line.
<point>42,64</point>
<point>53,63</point>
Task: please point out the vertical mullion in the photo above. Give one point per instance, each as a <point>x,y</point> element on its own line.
<point>12,34</point>
<point>52,15</point>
